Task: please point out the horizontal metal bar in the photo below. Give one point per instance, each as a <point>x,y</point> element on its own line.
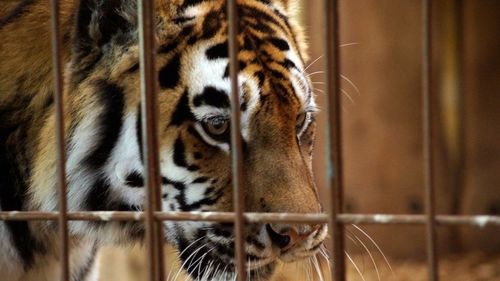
<point>228,217</point>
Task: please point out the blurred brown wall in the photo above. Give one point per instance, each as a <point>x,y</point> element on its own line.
<point>382,124</point>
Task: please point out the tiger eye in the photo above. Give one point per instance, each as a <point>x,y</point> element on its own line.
<point>301,119</point>
<point>217,126</point>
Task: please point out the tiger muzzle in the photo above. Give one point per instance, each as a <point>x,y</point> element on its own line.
<point>290,236</point>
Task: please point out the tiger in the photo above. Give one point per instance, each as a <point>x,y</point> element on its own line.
<point>102,120</point>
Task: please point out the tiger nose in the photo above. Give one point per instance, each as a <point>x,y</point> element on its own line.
<point>280,240</point>
<point>288,238</point>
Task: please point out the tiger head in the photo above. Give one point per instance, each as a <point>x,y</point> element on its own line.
<point>278,126</point>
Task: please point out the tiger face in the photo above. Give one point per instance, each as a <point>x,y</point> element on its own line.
<point>278,126</point>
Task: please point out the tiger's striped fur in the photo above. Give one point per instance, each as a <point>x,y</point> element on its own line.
<point>102,114</point>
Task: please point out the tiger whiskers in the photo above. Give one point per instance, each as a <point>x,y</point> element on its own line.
<point>200,276</point>
<point>224,273</point>
<point>314,73</point>
<point>207,271</point>
<point>318,82</point>
<point>324,254</point>
<point>248,273</point>
<point>376,245</point>
<point>319,272</point>
<point>309,269</point>
<point>196,262</point>
<point>184,263</point>
<point>358,242</point>
<point>180,268</point>
<point>349,44</point>
<point>369,254</point>
<point>313,62</point>
<point>345,93</point>
<point>350,236</point>
<point>340,46</point>
<point>258,274</point>
<point>351,83</point>
<point>217,269</point>
<point>199,262</point>
<point>355,266</point>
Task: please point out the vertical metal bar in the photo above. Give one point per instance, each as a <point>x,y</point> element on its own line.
<point>149,85</point>
<point>451,102</point>
<point>236,141</point>
<point>60,145</point>
<point>334,128</point>
<point>428,104</point>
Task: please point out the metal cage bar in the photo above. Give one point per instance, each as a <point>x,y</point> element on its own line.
<point>149,85</point>
<point>60,142</point>
<point>236,142</point>
<point>451,101</point>
<point>334,138</point>
<point>428,106</point>
<point>479,221</point>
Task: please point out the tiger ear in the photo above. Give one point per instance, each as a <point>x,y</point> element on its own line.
<point>98,22</point>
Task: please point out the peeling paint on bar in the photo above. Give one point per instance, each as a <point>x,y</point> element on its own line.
<point>482,221</point>
<point>105,216</point>
<point>204,215</point>
<point>13,213</point>
<point>383,218</point>
<point>138,216</point>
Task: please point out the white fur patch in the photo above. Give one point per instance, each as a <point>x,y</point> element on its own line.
<point>125,159</point>
<point>10,263</point>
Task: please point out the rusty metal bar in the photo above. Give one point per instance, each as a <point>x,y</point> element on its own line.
<point>149,85</point>
<point>443,220</point>
<point>480,221</point>
<point>334,125</point>
<point>236,142</point>
<point>428,107</point>
<point>60,142</point>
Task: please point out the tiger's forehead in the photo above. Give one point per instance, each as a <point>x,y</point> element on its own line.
<point>198,7</point>
<point>205,72</point>
<point>269,58</point>
<point>259,20</point>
